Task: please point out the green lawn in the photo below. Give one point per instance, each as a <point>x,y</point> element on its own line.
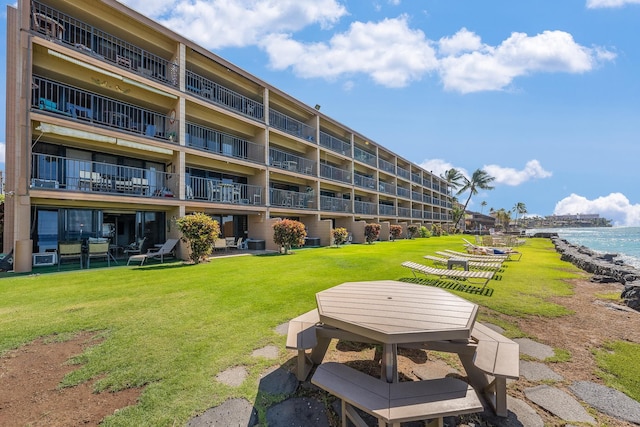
<point>172,327</point>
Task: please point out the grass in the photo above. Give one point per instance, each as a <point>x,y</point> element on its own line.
<point>618,362</point>
<point>172,327</point>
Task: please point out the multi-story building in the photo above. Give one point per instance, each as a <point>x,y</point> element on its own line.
<point>116,126</point>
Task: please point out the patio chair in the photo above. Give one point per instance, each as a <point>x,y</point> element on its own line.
<point>457,275</point>
<point>69,250</point>
<point>168,248</point>
<point>135,248</point>
<point>6,263</point>
<point>235,245</point>
<point>98,249</point>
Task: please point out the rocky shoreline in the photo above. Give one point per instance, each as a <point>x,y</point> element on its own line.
<point>604,267</point>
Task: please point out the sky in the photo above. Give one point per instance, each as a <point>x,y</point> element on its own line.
<point>543,95</point>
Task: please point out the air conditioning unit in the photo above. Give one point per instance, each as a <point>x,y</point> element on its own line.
<point>44,258</point>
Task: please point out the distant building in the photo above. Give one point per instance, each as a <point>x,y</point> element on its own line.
<point>477,222</point>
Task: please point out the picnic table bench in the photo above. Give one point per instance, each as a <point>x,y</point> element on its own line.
<point>398,402</point>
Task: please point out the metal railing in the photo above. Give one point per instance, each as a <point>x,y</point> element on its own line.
<point>214,141</point>
<point>364,208</point>
<point>403,192</point>
<point>335,204</point>
<point>415,177</point>
<point>364,156</point>
<point>77,104</point>
<point>96,43</point>
<point>335,144</point>
<point>386,166</point>
<point>218,94</point>
<point>427,215</point>
<point>334,173</point>
<point>416,196</point>
<point>291,162</point>
<point>387,188</point>
<point>291,126</point>
<point>217,191</point>
<point>427,199</point>
<point>416,213</point>
<point>386,210</point>
<point>64,173</point>
<point>404,212</point>
<point>364,181</point>
<point>403,173</point>
<point>291,199</point>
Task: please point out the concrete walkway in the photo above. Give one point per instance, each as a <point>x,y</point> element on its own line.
<point>295,409</point>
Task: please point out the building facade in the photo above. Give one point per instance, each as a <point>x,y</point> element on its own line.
<point>116,126</point>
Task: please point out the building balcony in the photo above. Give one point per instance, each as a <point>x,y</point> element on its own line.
<point>386,166</point>
<point>385,187</point>
<point>217,191</point>
<point>365,208</point>
<point>214,141</point>
<point>334,144</point>
<point>364,156</point>
<point>291,126</point>
<point>291,162</point>
<point>403,173</point>
<point>416,213</point>
<point>386,210</point>
<point>65,29</point>
<point>225,97</point>
<point>291,199</point>
<point>77,104</point>
<point>404,212</point>
<point>68,174</point>
<point>335,204</point>
<point>364,181</point>
<point>416,178</point>
<point>335,174</point>
<point>416,196</point>
<point>403,192</point>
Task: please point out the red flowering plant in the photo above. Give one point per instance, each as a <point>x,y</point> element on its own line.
<point>371,232</point>
<point>288,233</point>
<point>340,235</point>
<point>396,231</point>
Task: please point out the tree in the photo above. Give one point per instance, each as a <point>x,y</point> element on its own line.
<point>503,218</point>
<point>288,233</point>
<point>201,231</point>
<point>482,206</point>
<point>519,208</point>
<point>340,235</point>
<point>412,231</point>
<point>479,180</point>
<point>371,232</point>
<point>456,213</point>
<point>453,177</point>
<point>396,231</point>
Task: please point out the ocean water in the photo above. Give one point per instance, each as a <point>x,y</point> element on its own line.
<point>624,241</point>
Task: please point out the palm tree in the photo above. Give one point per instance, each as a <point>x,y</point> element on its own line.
<point>519,208</point>
<point>503,218</point>
<point>453,177</point>
<point>479,180</point>
<point>482,205</point>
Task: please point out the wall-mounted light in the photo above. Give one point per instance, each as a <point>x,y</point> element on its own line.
<point>317,107</point>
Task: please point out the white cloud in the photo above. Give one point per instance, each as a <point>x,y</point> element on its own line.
<point>512,177</point>
<point>390,52</point>
<point>615,207</point>
<point>596,4</point>
<point>2,152</point>
<point>439,167</point>
<point>495,68</point>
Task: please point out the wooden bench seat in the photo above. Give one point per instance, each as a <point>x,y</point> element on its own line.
<point>497,358</point>
<point>395,402</point>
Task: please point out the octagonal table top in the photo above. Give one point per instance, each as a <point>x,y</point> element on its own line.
<point>393,312</point>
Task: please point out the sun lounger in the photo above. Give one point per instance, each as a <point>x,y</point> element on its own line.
<point>482,276</point>
<point>480,265</point>
<point>448,253</point>
<point>167,248</point>
<point>488,250</point>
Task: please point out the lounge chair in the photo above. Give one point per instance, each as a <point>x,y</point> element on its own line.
<point>510,253</point>
<point>448,253</point>
<point>482,276</point>
<point>480,265</point>
<point>167,248</point>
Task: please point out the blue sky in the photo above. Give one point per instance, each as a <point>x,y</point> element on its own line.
<point>543,95</point>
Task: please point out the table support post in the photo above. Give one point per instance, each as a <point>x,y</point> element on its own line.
<point>390,363</point>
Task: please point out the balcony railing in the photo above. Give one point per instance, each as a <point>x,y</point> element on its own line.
<point>404,192</point>
<point>427,215</point>
<point>334,173</point>
<point>404,212</point>
<point>386,210</point>
<point>291,199</point>
<point>364,181</point>
<point>416,213</point>
<point>364,156</point>
<point>218,142</point>
<point>217,191</point>
<point>387,188</point>
<point>386,166</point>
<point>416,196</point>
<point>223,96</point>
<point>291,162</point>
<point>415,177</point>
<point>335,204</point>
<point>64,173</point>
<point>403,173</point>
<point>427,199</point>
<point>92,41</point>
<point>291,126</point>
<point>365,208</point>
<point>335,144</point>
<point>52,97</point>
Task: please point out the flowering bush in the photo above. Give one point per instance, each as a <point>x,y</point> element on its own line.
<point>201,231</point>
<point>412,231</point>
<point>424,232</point>
<point>288,233</point>
<point>340,235</point>
<point>371,232</point>
<point>396,231</point>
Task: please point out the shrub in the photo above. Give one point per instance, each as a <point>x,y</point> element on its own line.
<point>201,231</point>
<point>396,231</point>
<point>288,233</point>
<point>424,232</point>
<point>436,230</point>
<point>340,235</point>
<point>412,231</point>
<point>371,232</point>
